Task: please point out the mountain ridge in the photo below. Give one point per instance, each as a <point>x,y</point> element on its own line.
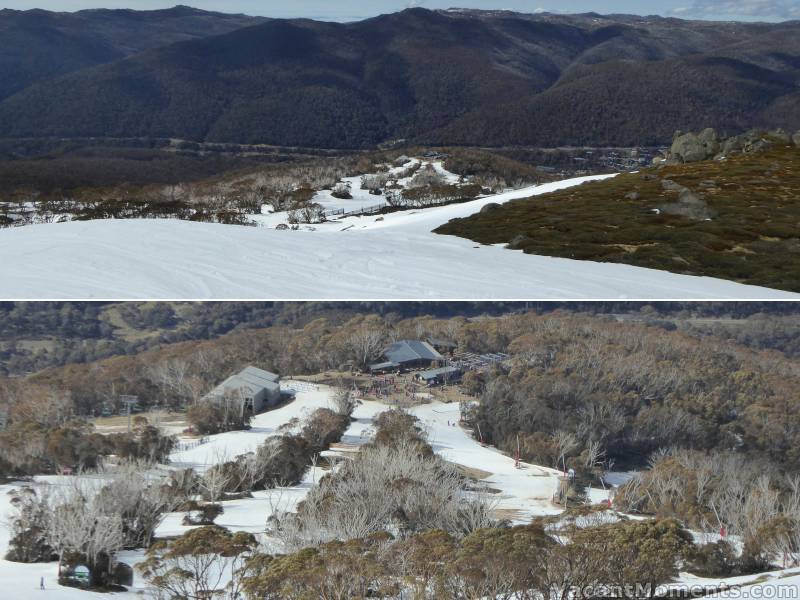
<point>433,77</point>
<point>40,45</point>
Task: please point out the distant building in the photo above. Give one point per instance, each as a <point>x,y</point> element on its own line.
<point>258,389</point>
<point>407,354</point>
<point>384,367</point>
<point>439,376</point>
<point>442,346</point>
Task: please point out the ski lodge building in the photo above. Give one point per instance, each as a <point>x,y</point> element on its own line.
<point>260,389</point>
<point>440,376</point>
<point>407,354</point>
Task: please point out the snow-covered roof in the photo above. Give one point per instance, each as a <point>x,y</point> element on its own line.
<point>411,350</point>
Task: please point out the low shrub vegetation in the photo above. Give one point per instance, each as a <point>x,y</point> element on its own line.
<point>754,198</point>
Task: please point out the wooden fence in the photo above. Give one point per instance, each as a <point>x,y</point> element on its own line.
<point>182,446</point>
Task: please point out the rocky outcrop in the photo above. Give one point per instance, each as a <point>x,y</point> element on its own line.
<point>690,147</point>
<point>781,136</point>
<point>707,145</point>
<point>519,241</point>
<point>671,186</point>
<point>689,205</point>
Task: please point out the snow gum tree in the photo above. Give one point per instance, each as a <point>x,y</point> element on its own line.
<point>202,563</point>
<point>333,571</point>
<point>722,491</point>
<point>509,563</point>
<point>639,555</point>
<point>141,502</point>
<point>391,486</point>
<point>86,519</point>
<point>80,529</point>
<point>29,522</point>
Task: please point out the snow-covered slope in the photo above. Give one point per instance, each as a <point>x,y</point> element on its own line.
<point>227,446</point>
<point>390,257</point>
<point>520,494</point>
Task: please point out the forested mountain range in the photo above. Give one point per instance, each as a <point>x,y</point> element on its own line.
<point>489,78</point>
<point>39,45</point>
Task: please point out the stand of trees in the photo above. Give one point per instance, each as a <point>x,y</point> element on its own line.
<point>396,484</point>
<point>633,389</point>
<point>37,335</point>
<point>637,386</point>
<point>627,559</point>
<point>29,447</point>
<point>722,492</point>
<point>87,520</point>
<point>282,460</point>
<point>397,521</point>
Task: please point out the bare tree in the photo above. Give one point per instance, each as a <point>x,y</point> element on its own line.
<point>594,455</point>
<point>475,512</point>
<point>248,471</point>
<point>374,183</point>
<point>365,344</point>
<point>172,378</point>
<point>564,443</point>
<point>385,487</point>
<point>140,498</point>
<point>343,401</point>
<point>216,479</point>
<point>79,523</point>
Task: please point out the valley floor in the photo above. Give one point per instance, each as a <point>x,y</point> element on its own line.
<point>394,256</point>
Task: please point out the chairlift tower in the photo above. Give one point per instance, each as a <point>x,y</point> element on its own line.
<point>129,402</point>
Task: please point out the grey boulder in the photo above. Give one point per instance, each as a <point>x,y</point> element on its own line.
<point>690,147</point>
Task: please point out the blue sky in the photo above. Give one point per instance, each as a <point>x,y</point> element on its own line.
<point>343,10</point>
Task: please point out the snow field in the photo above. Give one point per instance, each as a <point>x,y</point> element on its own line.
<point>394,256</point>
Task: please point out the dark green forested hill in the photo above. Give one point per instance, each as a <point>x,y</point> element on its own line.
<point>436,77</point>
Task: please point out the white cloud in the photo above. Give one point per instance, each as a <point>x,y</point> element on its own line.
<point>753,9</point>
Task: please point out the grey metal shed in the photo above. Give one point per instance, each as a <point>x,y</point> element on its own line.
<point>258,388</point>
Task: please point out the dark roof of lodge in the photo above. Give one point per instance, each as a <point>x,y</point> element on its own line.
<point>434,373</point>
<point>442,342</point>
<point>406,351</point>
<point>383,365</point>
